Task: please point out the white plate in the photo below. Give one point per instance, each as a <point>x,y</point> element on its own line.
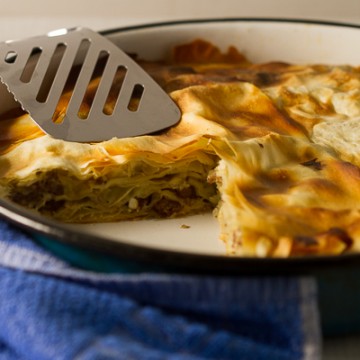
<point>196,243</point>
<point>193,234</point>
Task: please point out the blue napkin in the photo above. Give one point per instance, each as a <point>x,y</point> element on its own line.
<point>52,310</point>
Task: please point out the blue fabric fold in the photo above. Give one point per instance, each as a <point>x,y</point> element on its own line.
<point>50,309</point>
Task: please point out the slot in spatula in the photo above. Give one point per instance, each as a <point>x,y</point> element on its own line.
<point>38,71</point>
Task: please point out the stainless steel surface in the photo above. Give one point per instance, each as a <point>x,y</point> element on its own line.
<point>36,71</point>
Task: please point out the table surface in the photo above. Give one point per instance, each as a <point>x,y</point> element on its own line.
<point>35,18</point>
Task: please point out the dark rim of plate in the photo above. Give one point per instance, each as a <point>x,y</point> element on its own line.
<point>173,260</point>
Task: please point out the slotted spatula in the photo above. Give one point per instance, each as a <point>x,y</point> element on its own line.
<point>38,70</point>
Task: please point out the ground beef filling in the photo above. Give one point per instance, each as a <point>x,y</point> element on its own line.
<point>168,203</point>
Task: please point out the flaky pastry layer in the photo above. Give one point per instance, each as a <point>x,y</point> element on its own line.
<point>273,148</point>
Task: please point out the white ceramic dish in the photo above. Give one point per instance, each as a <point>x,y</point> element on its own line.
<point>260,40</point>
<point>197,245</point>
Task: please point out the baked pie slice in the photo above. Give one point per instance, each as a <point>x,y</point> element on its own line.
<point>272,149</point>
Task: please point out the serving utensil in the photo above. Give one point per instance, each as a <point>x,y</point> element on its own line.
<point>49,76</point>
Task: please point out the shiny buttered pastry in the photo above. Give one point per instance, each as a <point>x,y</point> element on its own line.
<point>272,149</point>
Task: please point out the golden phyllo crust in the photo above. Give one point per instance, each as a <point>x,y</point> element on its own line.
<point>273,149</point>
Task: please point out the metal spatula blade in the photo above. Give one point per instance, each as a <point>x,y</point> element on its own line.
<point>125,101</point>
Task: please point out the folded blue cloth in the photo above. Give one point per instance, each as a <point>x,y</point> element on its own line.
<point>52,310</point>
